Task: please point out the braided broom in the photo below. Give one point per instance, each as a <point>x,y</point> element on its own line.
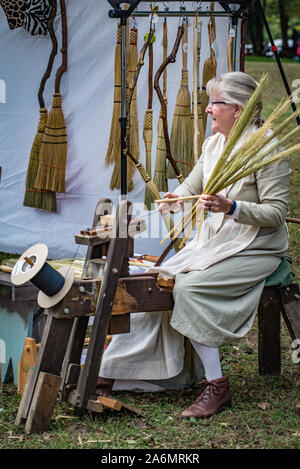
<point>160,172</point>
<point>181,132</point>
<point>53,153</point>
<point>36,198</point>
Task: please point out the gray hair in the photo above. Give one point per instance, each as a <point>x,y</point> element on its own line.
<point>235,88</point>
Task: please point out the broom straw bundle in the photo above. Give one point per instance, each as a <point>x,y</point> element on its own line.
<point>181,138</point>
<point>248,159</point>
<point>53,153</point>
<point>160,172</point>
<point>36,198</point>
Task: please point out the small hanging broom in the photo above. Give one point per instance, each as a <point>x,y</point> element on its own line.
<point>160,172</point>
<point>181,138</point>
<point>209,71</point>
<point>148,124</point>
<point>53,153</point>
<point>132,60</point>
<point>197,121</point>
<point>36,198</point>
<point>114,146</point>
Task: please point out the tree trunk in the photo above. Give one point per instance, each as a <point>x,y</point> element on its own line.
<point>284,20</point>
<point>255,28</point>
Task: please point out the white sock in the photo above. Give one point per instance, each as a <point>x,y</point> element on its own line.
<point>210,358</point>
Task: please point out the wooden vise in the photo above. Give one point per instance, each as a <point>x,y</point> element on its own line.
<point>105,291</point>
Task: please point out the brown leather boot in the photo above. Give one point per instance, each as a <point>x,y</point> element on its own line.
<point>104,385</point>
<point>214,397</point>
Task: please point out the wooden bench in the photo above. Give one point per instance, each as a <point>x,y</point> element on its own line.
<point>111,299</point>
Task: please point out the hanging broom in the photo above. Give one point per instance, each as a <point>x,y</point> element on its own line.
<point>53,153</point>
<point>181,138</point>
<point>209,71</point>
<point>114,146</point>
<point>160,172</point>
<point>197,122</point>
<point>148,124</point>
<point>36,198</point>
<point>132,60</point>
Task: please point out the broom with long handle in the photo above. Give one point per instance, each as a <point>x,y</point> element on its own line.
<point>170,59</point>
<point>160,172</point>
<point>53,154</point>
<point>148,124</point>
<point>181,138</point>
<point>198,136</point>
<point>36,198</point>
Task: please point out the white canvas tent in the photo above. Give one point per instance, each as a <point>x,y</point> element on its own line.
<point>87,91</point>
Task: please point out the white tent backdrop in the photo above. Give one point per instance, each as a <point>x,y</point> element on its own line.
<point>87,91</point>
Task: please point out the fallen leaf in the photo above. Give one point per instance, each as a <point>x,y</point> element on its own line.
<point>263,405</point>
<point>296,434</point>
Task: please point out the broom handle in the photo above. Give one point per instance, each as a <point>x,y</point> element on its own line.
<point>184,47</point>
<point>64,49</point>
<point>165,54</point>
<point>52,55</point>
<point>170,59</point>
<point>150,77</point>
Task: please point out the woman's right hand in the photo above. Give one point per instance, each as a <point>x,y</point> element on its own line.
<point>167,206</point>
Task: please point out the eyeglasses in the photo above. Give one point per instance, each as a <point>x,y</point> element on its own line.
<point>212,103</point>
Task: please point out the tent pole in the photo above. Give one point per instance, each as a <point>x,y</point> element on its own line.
<point>123,119</point>
<point>274,48</point>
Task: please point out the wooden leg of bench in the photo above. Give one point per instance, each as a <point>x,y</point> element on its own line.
<point>269,357</point>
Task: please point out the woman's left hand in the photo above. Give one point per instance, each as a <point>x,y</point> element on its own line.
<point>215,203</point>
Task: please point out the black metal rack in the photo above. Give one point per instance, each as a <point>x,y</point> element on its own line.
<point>232,8</point>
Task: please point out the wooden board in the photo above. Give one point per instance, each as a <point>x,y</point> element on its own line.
<point>27,362</point>
<point>43,403</point>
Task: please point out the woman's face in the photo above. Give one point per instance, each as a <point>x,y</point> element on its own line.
<point>223,114</point>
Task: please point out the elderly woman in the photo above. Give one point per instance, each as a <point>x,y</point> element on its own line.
<point>219,277</point>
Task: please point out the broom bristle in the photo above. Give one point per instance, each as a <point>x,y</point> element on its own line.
<point>35,198</point>
<point>160,172</point>
<point>181,132</point>
<point>53,153</point>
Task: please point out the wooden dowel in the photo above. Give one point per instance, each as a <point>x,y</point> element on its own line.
<point>176,199</point>
<point>293,220</point>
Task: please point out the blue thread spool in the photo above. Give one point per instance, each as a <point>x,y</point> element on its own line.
<point>48,280</point>
<point>32,267</point>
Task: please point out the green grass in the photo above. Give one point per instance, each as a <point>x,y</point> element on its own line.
<point>263,415</point>
<point>263,58</point>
